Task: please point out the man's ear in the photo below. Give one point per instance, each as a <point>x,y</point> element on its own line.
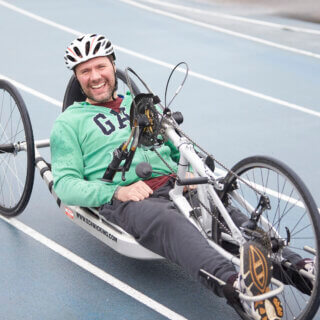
<point>112,61</point>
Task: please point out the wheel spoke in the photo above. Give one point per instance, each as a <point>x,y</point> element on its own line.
<point>17,169</point>
<point>292,208</point>
<point>14,173</point>
<point>5,127</point>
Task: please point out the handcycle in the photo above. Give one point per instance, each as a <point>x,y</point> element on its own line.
<point>279,209</point>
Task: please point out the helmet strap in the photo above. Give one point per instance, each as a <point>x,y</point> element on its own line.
<point>115,79</point>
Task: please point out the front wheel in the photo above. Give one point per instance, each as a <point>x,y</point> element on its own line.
<point>16,152</point>
<point>293,216</point>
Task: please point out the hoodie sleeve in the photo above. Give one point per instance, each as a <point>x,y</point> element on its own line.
<point>68,171</point>
<point>175,154</point>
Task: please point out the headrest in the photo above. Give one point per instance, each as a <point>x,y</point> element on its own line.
<point>73,93</point>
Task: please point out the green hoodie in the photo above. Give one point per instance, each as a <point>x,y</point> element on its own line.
<point>82,142</point>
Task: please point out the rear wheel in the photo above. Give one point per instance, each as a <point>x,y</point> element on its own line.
<point>16,152</point>
<point>293,216</point>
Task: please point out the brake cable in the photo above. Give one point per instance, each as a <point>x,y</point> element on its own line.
<point>212,214</point>
<point>263,199</point>
<point>264,202</point>
<point>136,133</point>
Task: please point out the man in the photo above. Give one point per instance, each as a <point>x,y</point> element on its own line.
<point>82,142</point>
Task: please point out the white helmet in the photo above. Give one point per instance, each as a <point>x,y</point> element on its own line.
<point>87,47</point>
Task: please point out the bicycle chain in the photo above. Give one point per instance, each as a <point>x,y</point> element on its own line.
<point>213,215</point>
<point>164,161</point>
<point>201,203</point>
<point>217,161</point>
<point>209,155</point>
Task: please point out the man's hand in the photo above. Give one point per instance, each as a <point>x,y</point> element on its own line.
<point>134,192</point>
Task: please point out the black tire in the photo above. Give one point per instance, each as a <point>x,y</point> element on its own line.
<point>292,207</point>
<point>16,166</point>
<point>74,93</point>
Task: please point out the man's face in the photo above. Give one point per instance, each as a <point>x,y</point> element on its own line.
<point>97,79</point>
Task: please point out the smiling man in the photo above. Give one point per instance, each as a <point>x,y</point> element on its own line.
<point>82,141</point>
<point>97,79</point>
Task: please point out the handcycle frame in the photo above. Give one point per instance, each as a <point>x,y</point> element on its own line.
<point>209,193</point>
<point>125,244</point>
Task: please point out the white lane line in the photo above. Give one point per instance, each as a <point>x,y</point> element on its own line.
<point>222,30</point>
<point>167,65</point>
<point>38,18</point>
<point>195,74</point>
<point>99,273</point>
<point>233,17</point>
<point>257,94</point>
<point>32,91</point>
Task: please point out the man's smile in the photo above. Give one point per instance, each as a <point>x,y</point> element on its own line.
<point>98,86</point>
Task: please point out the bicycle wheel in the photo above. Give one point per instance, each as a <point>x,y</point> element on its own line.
<point>293,215</point>
<point>16,152</point>
<point>74,93</point>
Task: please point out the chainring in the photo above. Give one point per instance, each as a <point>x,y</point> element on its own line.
<point>144,114</point>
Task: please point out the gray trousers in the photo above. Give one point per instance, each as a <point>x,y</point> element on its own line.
<point>157,225</point>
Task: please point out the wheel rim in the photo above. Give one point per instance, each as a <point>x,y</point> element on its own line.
<point>16,168</point>
<point>292,208</point>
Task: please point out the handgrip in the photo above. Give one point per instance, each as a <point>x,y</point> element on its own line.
<point>191,181</point>
<point>118,156</point>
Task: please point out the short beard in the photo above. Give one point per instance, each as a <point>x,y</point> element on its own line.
<point>107,98</point>
<point>112,91</point>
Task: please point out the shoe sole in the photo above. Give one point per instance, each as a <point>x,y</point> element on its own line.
<point>256,268</point>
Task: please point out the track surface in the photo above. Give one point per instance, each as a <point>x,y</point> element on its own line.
<point>243,97</point>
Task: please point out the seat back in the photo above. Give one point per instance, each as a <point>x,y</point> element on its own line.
<point>73,93</point>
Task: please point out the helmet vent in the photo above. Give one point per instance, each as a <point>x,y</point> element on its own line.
<point>100,38</point>
<point>96,49</point>
<point>71,58</point>
<point>77,51</point>
<point>80,39</point>
<point>87,47</point>
<point>108,45</point>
